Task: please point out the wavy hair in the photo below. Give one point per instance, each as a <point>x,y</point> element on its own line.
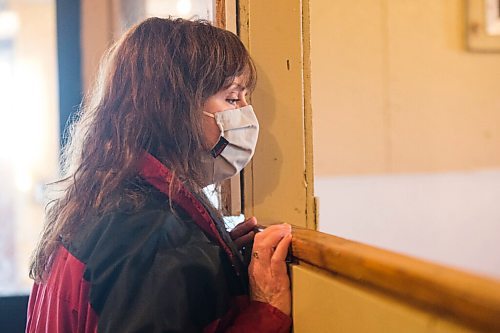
<point>149,95</point>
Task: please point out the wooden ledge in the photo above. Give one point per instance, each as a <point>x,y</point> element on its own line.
<point>465,297</point>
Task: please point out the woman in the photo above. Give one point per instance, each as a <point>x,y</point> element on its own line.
<point>132,244</point>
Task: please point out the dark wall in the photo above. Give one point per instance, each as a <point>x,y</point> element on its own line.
<point>69,60</point>
<point>13,313</point>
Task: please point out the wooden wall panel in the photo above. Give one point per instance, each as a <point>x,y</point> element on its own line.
<point>324,303</point>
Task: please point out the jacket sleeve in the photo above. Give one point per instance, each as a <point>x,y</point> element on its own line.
<point>182,291</point>
<point>251,316</point>
<point>166,276</point>
<point>159,276</point>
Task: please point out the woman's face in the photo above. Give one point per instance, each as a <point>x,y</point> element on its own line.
<point>233,97</point>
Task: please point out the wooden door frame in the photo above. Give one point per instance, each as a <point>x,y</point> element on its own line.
<point>279,184</point>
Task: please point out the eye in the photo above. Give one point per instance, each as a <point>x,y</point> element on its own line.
<point>232,101</point>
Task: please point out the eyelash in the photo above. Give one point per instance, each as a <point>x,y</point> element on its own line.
<point>232,101</point>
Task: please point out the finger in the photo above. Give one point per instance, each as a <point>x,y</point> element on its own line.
<point>244,240</point>
<point>282,249</point>
<point>243,228</point>
<point>270,237</point>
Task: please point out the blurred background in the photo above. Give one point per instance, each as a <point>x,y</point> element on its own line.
<point>29,136</point>
<point>49,53</point>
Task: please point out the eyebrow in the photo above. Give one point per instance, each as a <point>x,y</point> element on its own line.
<point>237,86</point>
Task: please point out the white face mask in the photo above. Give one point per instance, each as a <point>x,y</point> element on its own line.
<point>239,130</point>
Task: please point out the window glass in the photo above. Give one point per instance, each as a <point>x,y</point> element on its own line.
<point>128,12</point>
<point>28,132</point>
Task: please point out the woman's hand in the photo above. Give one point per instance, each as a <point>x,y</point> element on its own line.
<point>269,281</point>
<point>243,233</point>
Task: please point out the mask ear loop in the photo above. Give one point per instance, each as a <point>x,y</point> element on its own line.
<point>219,147</point>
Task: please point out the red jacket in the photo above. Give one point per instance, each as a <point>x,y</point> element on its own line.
<point>151,270</point>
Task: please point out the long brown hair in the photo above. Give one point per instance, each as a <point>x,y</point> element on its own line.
<point>151,89</point>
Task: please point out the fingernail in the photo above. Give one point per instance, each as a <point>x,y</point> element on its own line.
<point>258,228</point>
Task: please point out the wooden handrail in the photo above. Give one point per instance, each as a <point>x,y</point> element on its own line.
<point>466,297</point>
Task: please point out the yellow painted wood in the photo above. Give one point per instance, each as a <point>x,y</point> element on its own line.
<point>327,303</point>
<point>96,37</point>
<point>275,183</point>
<point>311,207</point>
<point>470,298</point>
